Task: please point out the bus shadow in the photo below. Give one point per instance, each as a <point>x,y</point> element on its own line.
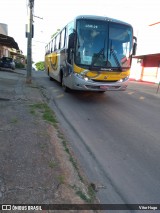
<point>92,97</point>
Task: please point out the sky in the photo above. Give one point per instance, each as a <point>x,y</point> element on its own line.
<point>56,14</point>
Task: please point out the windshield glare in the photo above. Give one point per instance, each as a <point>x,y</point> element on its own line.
<point>103,44</point>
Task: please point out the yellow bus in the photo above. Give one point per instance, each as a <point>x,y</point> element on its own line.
<point>91,53</point>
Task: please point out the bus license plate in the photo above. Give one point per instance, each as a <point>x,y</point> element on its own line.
<point>104,87</point>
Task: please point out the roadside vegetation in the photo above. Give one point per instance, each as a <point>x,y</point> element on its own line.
<point>40,66</point>
<point>47,113</point>
<point>19,65</point>
<point>43,110</point>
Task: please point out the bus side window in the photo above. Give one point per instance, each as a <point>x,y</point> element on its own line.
<point>57,42</point>
<point>51,46</point>
<point>69,31</point>
<point>63,38</point>
<point>54,45</point>
<point>46,49</point>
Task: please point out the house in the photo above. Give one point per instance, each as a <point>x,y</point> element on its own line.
<point>8,46</point>
<point>6,41</point>
<point>146,63</point>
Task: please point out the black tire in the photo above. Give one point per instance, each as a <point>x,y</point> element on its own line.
<point>50,78</point>
<point>65,88</point>
<point>102,92</point>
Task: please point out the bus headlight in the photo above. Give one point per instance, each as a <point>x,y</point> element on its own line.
<point>82,76</point>
<point>123,79</point>
<point>86,78</point>
<point>120,81</point>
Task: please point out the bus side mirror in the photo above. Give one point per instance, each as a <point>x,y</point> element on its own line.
<point>71,41</point>
<point>134,45</point>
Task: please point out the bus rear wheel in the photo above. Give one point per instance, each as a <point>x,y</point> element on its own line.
<point>50,78</point>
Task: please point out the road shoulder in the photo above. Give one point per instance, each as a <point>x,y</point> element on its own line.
<point>37,165</point>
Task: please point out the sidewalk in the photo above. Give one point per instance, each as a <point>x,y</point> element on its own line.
<point>36,164</point>
<point>145,88</point>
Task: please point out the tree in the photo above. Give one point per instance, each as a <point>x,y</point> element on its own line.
<point>40,65</point>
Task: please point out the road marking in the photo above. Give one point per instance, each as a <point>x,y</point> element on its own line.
<point>60,96</point>
<point>141,98</point>
<point>131,93</point>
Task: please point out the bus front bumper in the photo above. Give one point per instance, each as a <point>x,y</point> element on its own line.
<point>83,83</point>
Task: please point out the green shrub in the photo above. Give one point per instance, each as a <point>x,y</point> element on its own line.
<point>19,65</point>
<point>40,65</point>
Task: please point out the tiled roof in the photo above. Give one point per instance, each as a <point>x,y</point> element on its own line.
<point>8,42</point>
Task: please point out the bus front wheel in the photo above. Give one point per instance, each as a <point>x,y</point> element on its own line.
<point>65,88</point>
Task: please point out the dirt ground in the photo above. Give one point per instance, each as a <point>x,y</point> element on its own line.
<point>36,164</point>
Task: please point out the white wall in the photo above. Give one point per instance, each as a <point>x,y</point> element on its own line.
<point>3,29</point>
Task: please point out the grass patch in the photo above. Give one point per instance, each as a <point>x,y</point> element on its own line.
<point>61,179</point>
<point>72,160</point>
<point>65,146</point>
<point>32,111</point>
<point>52,164</point>
<point>14,120</point>
<point>83,196</point>
<point>43,146</point>
<point>87,197</point>
<point>47,113</point>
<point>91,193</point>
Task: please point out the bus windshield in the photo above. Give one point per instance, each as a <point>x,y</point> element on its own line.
<point>102,44</point>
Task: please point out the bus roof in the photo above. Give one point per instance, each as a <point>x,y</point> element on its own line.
<point>95,17</point>
<point>102,18</point>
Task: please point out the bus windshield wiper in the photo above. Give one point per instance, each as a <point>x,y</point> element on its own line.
<point>101,52</point>
<point>115,58</point>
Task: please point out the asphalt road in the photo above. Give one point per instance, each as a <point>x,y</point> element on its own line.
<point>116,137</point>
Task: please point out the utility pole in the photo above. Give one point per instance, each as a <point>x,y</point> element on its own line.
<point>29,35</point>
